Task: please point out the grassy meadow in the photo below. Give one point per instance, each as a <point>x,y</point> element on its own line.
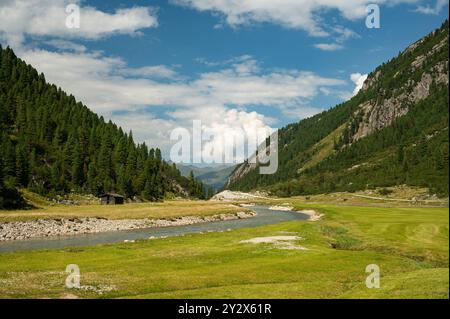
<point>410,245</point>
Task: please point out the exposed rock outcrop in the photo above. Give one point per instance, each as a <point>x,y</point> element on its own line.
<point>240,172</point>
<point>378,113</point>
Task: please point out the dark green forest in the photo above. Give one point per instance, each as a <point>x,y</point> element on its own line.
<point>52,144</point>
<point>413,150</point>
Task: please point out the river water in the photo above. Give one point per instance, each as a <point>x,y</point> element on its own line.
<point>264,216</point>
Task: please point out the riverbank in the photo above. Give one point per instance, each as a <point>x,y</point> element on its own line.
<point>43,228</point>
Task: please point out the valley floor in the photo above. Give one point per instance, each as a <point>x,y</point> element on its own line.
<point>409,244</point>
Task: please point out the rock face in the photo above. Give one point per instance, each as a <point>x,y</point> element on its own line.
<point>240,172</point>
<point>62,227</point>
<point>376,114</point>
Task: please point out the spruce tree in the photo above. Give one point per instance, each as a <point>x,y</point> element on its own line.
<point>22,166</point>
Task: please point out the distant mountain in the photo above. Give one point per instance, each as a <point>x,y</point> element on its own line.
<point>394,131</point>
<point>53,144</point>
<point>215,177</point>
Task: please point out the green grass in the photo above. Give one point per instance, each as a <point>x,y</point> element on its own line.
<point>410,245</point>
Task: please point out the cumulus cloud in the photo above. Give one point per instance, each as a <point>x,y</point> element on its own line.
<point>19,18</point>
<point>219,126</point>
<point>147,128</point>
<point>359,80</point>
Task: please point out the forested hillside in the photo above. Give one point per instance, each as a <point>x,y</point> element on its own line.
<point>394,131</point>
<point>53,144</point>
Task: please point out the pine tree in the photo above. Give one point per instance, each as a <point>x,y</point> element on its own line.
<point>77,172</point>
<point>22,166</point>
<point>56,176</point>
<point>104,167</point>
<point>210,193</point>
<point>400,153</point>
<point>9,158</point>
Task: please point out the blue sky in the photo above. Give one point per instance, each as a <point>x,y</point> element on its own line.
<point>152,66</point>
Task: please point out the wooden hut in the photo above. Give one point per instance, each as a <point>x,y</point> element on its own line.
<point>111,199</point>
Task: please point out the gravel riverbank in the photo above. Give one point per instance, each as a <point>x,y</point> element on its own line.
<point>74,226</point>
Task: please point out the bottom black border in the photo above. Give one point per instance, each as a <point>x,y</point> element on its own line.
<point>171,308</point>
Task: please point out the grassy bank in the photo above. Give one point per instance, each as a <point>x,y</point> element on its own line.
<point>410,245</point>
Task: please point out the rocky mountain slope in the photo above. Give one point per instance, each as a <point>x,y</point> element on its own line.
<point>394,131</point>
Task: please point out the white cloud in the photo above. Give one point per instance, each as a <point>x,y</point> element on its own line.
<point>329,46</point>
<point>147,128</point>
<point>219,99</point>
<point>154,71</point>
<point>217,123</point>
<point>301,112</point>
<point>359,80</point>
<point>440,4</point>
<point>342,34</point>
<point>306,15</point>
<point>66,45</point>
<point>19,18</point>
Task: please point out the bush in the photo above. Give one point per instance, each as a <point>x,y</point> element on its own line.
<point>385,192</point>
<point>10,198</point>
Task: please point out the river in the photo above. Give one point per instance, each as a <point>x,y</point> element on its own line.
<point>264,216</point>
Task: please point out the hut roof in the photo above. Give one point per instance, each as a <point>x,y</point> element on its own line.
<point>111,194</point>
